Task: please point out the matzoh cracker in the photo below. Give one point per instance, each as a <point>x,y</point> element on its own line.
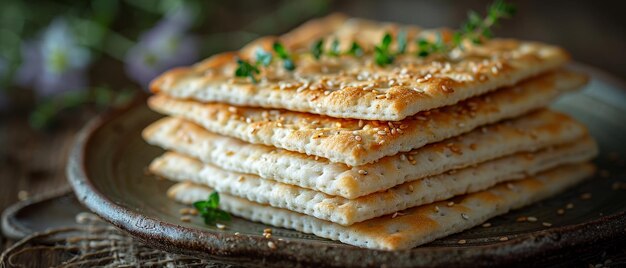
<point>357,142</point>
<point>355,87</point>
<point>348,211</point>
<point>527,133</point>
<point>411,227</point>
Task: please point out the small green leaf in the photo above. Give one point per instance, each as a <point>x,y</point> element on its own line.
<point>334,48</point>
<point>280,50</point>
<point>317,49</point>
<point>355,49</point>
<point>402,42</point>
<point>245,69</point>
<point>263,57</point>
<point>214,200</point>
<point>386,41</point>
<point>209,209</point>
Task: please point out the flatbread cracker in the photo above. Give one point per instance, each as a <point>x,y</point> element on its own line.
<point>348,211</point>
<point>527,133</point>
<point>357,142</point>
<point>355,87</point>
<point>411,227</point>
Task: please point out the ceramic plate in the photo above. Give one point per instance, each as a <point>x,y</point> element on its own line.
<point>107,171</point>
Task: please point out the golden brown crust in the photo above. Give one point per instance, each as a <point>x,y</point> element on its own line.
<point>355,87</point>
<point>356,142</point>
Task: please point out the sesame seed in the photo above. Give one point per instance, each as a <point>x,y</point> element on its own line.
<point>461,125</point>
<point>358,138</point>
<point>271,245</point>
<point>532,219</point>
<point>362,172</point>
<point>585,196</point>
<point>462,241</point>
<point>546,224</point>
<point>232,109</point>
<point>464,216</point>
<point>185,219</point>
<point>510,186</point>
<point>521,219</point>
<point>267,235</point>
<point>267,230</point>
<point>451,203</point>
<point>220,226</point>
<point>569,206</point>
<point>560,211</point>
<point>436,208</point>
<point>411,188</point>
<point>237,233</point>
<point>403,157</point>
<point>382,132</point>
<point>504,238</point>
<point>486,224</point>
<point>396,214</point>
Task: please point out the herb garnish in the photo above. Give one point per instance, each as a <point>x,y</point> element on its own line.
<point>382,53</point>
<point>282,54</point>
<point>402,42</point>
<point>476,29</point>
<point>355,50</point>
<point>263,57</point>
<point>317,49</point>
<point>209,209</point>
<point>245,69</point>
<point>334,48</point>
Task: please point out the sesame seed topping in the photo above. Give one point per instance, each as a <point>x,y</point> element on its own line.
<point>358,138</point>
<point>560,211</point>
<point>185,219</point>
<point>464,216</point>
<point>486,224</point>
<point>546,224</point>
<point>451,203</point>
<point>220,226</point>
<point>271,245</point>
<point>504,238</point>
<point>531,219</point>
<point>436,208</point>
<point>462,241</point>
<point>569,206</point>
<point>362,172</point>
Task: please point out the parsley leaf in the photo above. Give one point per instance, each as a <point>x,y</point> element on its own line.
<point>382,55</point>
<point>263,57</point>
<point>334,48</point>
<point>355,50</point>
<point>402,42</point>
<point>317,49</point>
<point>245,69</point>
<point>282,54</point>
<point>209,209</point>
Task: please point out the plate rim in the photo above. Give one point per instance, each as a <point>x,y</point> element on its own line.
<point>171,236</point>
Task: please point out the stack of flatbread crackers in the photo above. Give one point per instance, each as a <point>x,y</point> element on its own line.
<point>383,157</point>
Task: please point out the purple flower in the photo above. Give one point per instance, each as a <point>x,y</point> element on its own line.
<point>165,46</point>
<point>54,63</point>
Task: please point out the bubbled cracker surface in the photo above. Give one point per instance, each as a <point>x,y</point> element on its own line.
<point>413,227</point>
<point>349,211</point>
<point>527,133</point>
<point>357,142</point>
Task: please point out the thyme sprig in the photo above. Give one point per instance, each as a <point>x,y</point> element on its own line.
<point>475,30</point>
<point>209,209</point>
<point>282,53</point>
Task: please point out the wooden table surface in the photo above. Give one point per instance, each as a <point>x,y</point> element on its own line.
<point>31,162</point>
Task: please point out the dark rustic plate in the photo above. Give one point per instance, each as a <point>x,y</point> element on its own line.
<point>107,171</point>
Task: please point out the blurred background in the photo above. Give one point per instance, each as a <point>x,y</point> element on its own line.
<point>64,61</point>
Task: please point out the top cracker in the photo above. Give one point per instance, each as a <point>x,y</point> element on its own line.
<point>355,86</point>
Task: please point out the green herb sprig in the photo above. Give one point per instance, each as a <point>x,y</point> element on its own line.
<point>476,29</point>
<point>382,52</point>
<point>209,209</point>
<point>317,49</point>
<point>283,55</point>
